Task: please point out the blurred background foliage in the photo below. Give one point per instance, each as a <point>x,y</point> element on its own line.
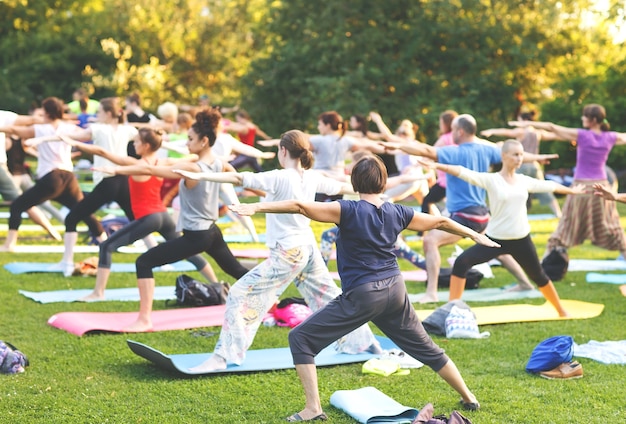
<point>287,61</point>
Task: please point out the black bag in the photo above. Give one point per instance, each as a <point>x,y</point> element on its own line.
<point>473,278</point>
<point>190,292</point>
<point>556,263</point>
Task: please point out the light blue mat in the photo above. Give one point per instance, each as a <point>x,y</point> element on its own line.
<point>129,294</point>
<point>595,277</point>
<point>256,360</point>
<point>540,216</point>
<point>242,238</point>
<point>484,295</point>
<point>32,267</point>
<point>596,265</point>
<point>369,405</point>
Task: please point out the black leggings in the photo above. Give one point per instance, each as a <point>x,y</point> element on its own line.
<point>523,251</point>
<point>191,243</point>
<point>58,185</point>
<point>106,191</point>
<point>161,222</point>
<point>435,194</point>
<point>242,160</point>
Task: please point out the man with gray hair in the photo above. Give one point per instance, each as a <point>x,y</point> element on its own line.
<point>465,202</point>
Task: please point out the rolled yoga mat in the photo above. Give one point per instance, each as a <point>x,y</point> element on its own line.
<point>369,405</point>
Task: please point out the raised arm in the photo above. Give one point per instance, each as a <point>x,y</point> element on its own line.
<point>243,149</point>
<point>218,177</point>
<point>317,211</point>
<point>621,139</point>
<point>99,151</point>
<point>385,132</point>
<point>562,133</point>
<point>425,222</point>
<point>503,132</point>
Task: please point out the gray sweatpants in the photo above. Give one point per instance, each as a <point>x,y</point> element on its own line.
<point>386,304</point>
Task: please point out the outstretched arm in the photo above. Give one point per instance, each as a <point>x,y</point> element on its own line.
<point>243,149</point>
<point>218,177</point>
<point>503,132</point>
<point>317,211</point>
<point>562,133</point>
<point>425,222</point>
<point>97,150</point>
<point>577,189</point>
<point>602,191</point>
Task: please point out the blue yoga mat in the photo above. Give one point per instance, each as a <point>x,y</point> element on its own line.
<point>129,294</point>
<point>369,405</point>
<point>596,265</point>
<point>596,277</point>
<point>484,295</point>
<point>32,267</point>
<point>256,360</point>
<point>540,216</point>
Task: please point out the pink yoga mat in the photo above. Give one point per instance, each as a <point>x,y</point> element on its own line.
<point>81,323</point>
<point>251,253</point>
<point>413,275</point>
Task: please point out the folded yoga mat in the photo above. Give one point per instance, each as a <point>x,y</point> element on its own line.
<point>595,277</point>
<point>45,248</point>
<point>369,405</point>
<point>80,323</point>
<point>32,267</point>
<point>122,295</point>
<point>484,295</point>
<point>256,360</point>
<point>503,314</point>
<point>596,265</point>
<point>413,275</point>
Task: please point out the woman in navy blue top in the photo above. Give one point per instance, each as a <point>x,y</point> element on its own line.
<point>373,287</point>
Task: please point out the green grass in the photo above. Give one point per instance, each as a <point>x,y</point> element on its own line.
<point>97,379</point>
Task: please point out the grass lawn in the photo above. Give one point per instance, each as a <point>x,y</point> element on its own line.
<point>97,379</point>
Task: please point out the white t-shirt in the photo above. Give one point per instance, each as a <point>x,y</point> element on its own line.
<point>6,120</point>
<point>290,230</point>
<point>113,139</point>
<point>507,202</point>
<point>223,146</point>
<point>54,154</point>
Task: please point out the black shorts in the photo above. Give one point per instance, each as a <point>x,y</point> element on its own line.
<point>474,217</point>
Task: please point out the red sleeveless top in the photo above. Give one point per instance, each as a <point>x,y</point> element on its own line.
<point>145,196</point>
<point>248,137</point>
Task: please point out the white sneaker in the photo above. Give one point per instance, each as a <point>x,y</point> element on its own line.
<point>401,358</point>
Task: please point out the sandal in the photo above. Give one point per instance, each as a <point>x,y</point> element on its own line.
<point>470,406</point>
<point>296,417</point>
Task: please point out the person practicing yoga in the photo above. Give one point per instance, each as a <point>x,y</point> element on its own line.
<point>55,177</point>
<point>294,256</point>
<point>199,206</point>
<point>507,192</point>
<point>147,207</point>
<point>373,288</point>
<point>465,202</point>
<point>587,217</point>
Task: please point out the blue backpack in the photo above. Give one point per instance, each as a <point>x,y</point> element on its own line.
<point>550,353</point>
<point>12,360</point>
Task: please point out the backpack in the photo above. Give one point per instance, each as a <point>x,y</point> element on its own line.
<point>556,263</point>
<point>12,361</point>
<point>472,281</point>
<point>190,292</point>
<point>550,353</point>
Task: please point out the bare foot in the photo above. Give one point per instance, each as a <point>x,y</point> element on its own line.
<point>7,248</point>
<point>91,297</point>
<point>563,313</point>
<point>138,326</point>
<point>623,289</point>
<point>214,363</point>
<point>518,287</point>
<point>428,298</point>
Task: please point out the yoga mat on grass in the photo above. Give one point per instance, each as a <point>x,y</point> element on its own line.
<point>369,405</point>
<point>595,277</point>
<point>128,294</point>
<point>80,323</point>
<point>596,265</point>
<point>413,275</point>
<point>261,253</point>
<point>256,360</point>
<point>242,238</point>
<point>540,216</point>
<point>45,248</point>
<point>484,295</point>
<point>504,314</point>
<point>32,267</point>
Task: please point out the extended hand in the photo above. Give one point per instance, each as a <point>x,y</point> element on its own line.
<point>580,189</point>
<point>602,191</point>
<point>485,241</point>
<point>243,209</point>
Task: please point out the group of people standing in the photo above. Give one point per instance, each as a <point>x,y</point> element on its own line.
<point>367,228</point>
